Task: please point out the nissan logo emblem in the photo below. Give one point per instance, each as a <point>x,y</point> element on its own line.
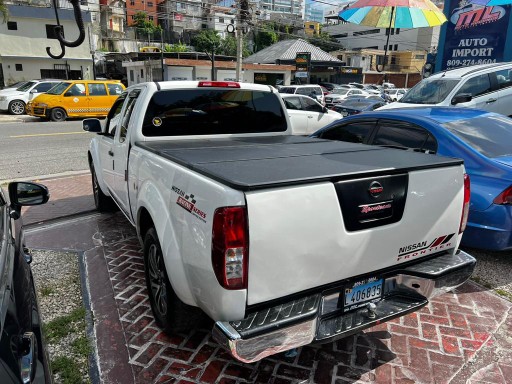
<point>375,189</point>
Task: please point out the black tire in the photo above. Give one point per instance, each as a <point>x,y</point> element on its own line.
<point>171,314</point>
<point>102,202</point>
<point>17,107</point>
<point>58,114</point>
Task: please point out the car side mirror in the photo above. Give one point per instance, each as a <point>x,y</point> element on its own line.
<point>92,125</point>
<point>462,98</point>
<point>26,194</point>
<point>33,91</point>
<point>325,109</point>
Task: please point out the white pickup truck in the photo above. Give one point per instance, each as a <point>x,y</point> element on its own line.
<point>281,240</point>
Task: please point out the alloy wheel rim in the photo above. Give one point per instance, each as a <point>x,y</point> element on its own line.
<point>95,187</point>
<point>17,107</point>
<point>156,280</point>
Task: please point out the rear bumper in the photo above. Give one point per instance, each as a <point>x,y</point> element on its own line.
<point>317,318</point>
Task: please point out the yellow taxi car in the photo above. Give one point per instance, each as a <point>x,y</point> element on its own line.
<point>76,98</point>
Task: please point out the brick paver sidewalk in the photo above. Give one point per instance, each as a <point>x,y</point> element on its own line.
<point>69,195</point>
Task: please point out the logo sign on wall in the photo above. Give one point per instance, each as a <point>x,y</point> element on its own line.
<point>302,61</point>
<point>475,33</point>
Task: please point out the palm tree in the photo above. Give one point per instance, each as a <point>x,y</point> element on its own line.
<point>3,10</point>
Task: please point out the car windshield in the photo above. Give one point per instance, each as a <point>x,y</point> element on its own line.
<point>58,88</point>
<point>429,91</point>
<point>490,135</point>
<point>27,86</point>
<point>204,111</point>
<point>17,85</point>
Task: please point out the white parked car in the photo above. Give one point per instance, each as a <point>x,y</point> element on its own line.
<point>14,101</point>
<point>342,93</point>
<point>307,115</point>
<point>485,86</point>
<point>396,93</point>
<point>312,90</point>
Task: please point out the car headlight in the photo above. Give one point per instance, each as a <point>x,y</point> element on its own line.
<point>41,105</point>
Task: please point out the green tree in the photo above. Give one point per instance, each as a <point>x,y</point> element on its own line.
<point>206,41</point>
<point>180,47</point>
<point>228,47</point>
<point>144,26</point>
<point>265,38</point>
<point>325,42</point>
<point>3,10</point>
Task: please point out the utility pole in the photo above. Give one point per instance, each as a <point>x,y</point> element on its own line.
<point>243,13</point>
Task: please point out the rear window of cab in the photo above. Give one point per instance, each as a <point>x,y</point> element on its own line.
<point>202,111</point>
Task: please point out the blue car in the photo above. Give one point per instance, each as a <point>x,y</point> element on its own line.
<point>483,139</point>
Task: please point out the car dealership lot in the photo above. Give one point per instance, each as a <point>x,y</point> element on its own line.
<point>460,336</point>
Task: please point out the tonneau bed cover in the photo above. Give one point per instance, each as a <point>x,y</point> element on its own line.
<point>261,162</point>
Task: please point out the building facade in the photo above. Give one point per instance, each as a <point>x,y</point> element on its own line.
<point>23,42</point>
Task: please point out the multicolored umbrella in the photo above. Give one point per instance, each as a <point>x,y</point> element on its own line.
<point>394,13</point>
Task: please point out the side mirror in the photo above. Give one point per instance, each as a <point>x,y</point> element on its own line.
<point>325,109</point>
<point>92,125</point>
<point>33,91</point>
<point>462,98</point>
<point>26,194</point>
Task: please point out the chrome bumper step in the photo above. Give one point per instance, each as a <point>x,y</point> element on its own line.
<point>317,317</point>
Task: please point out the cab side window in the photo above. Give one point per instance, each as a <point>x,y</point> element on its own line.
<point>43,87</point>
<point>114,117</point>
<point>125,120</point>
<point>76,90</point>
<point>356,132</point>
<point>402,135</point>
<point>504,78</point>
<point>114,89</point>
<point>477,85</point>
<point>292,103</point>
<point>97,89</point>
<point>311,105</point>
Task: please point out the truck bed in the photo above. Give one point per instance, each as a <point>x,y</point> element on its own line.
<point>263,162</point>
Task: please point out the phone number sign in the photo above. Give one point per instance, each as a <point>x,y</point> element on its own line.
<point>474,34</point>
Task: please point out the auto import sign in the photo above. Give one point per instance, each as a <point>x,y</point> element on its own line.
<point>475,33</point>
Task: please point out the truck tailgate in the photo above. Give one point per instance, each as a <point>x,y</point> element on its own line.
<point>300,239</point>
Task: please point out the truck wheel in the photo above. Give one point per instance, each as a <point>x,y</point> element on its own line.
<point>170,312</point>
<point>58,114</point>
<point>102,202</point>
<point>16,107</point>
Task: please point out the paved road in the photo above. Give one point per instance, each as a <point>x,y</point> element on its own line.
<point>32,148</point>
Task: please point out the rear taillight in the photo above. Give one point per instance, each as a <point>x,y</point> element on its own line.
<point>505,197</point>
<point>465,206</point>
<point>220,84</point>
<point>230,251</point>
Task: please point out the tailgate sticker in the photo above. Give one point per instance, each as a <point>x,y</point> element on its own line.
<point>421,248</point>
<point>188,203</point>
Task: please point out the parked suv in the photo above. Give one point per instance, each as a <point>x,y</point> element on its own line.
<point>23,358</point>
<point>312,90</point>
<point>77,98</point>
<point>14,101</point>
<point>486,86</point>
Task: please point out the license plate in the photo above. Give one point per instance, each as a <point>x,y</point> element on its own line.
<point>362,292</point>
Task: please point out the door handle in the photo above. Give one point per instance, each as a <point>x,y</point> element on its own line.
<point>490,101</point>
<point>310,117</point>
<point>110,152</point>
